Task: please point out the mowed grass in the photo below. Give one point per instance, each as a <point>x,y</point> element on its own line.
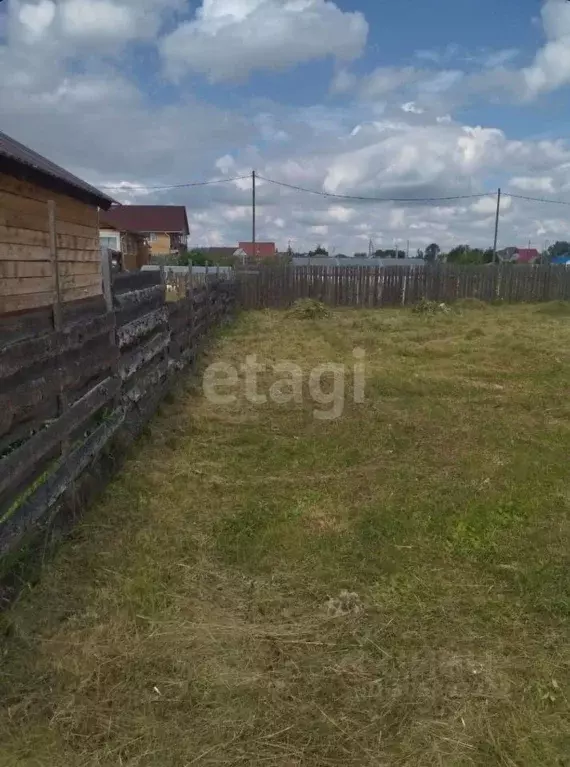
<point>259,587</point>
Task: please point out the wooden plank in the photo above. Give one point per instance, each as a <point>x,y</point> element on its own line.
<point>23,395</point>
<point>38,222</point>
<point>130,363</point>
<point>10,270</point>
<point>13,235</point>
<point>77,294</point>
<point>45,497</point>
<point>38,300</point>
<point>144,297</point>
<point>40,253</point>
<point>72,268</point>
<point>133,331</point>
<point>146,379</point>
<point>71,281</point>
<point>57,310</point>
<point>22,286</point>
<point>14,466</point>
<point>17,327</point>
<point>20,401</point>
<point>30,192</point>
<point>20,356</point>
<point>21,303</point>
<point>84,309</point>
<point>19,204</point>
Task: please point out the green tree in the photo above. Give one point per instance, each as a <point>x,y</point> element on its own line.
<point>560,248</point>
<point>319,251</point>
<point>194,257</point>
<point>465,254</point>
<point>432,252</point>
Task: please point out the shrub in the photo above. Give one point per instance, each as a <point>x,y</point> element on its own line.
<point>431,307</point>
<point>308,309</point>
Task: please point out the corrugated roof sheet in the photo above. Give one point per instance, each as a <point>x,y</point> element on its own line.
<point>25,157</point>
<point>148,218</point>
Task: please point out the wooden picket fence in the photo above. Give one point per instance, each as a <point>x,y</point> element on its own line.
<point>400,285</point>
<point>69,394</point>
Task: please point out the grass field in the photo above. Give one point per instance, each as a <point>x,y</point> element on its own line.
<point>262,588</point>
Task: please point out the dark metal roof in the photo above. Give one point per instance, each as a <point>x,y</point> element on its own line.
<point>149,218</point>
<point>20,161</point>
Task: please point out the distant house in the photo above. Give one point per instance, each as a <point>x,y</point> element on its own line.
<point>30,236</point>
<point>133,247</point>
<point>165,227</point>
<point>260,251</point>
<point>519,256</point>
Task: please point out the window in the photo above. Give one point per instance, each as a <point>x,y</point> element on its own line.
<point>152,237</point>
<point>110,242</point>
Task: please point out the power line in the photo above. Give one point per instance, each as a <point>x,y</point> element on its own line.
<point>374,199</point>
<point>173,186</point>
<point>538,199</point>
<point>319,193</point>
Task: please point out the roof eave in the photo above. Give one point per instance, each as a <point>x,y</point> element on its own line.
<point>25,172</point>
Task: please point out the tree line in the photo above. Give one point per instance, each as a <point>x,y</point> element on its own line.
<point>460,254</point>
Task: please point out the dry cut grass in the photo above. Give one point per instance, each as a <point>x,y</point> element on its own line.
<point>261,588</point>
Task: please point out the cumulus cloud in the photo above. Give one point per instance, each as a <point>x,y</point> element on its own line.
<point>229,39</point>
<point>551,67</point>
<point>384,80</point>
<point>106,23</point>
<point>61,93</point>
<point>533,184</point>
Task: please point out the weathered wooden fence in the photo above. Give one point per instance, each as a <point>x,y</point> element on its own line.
<point>67,393</point>
<point>400,285</point>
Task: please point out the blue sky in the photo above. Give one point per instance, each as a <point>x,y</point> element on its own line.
<point>353,97</point>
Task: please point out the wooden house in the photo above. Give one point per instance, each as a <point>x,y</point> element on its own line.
<point>164,227</point>
<point>133,246</point>
<point>49,232</point>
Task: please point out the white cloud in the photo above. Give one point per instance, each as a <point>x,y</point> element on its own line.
<point>551,67</point>
<point>96,18</point>
<point>486,206</point>
<point>36,18</point>
<point>533,184</point>
<point>97,121</point>
<point>385,80</point>
<point>500,58</point>
<point>343,81</point>
<point>105,23</point>
<point>411,108</point>
<point>229,39</point>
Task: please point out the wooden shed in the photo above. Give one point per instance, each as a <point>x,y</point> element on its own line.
<point>49,232</point>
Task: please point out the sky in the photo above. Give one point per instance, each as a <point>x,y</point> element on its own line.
<point>368,98</point>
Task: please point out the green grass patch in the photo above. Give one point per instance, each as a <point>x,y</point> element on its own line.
<point>261,588</point>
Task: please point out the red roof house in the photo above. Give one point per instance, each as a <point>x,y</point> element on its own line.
<point>262,249</point>
<point>165,226</point>
<point>527,256</point>
<point>519,255</point>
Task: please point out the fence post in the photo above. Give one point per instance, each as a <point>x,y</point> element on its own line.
<point>107,274</point>
<point>62,400</point>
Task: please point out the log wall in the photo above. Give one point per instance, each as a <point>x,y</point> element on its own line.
<point>67,396</point>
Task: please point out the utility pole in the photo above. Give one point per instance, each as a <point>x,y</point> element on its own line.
<point>497,226</point>
<point>408,250</point>
<point>253,232</point>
